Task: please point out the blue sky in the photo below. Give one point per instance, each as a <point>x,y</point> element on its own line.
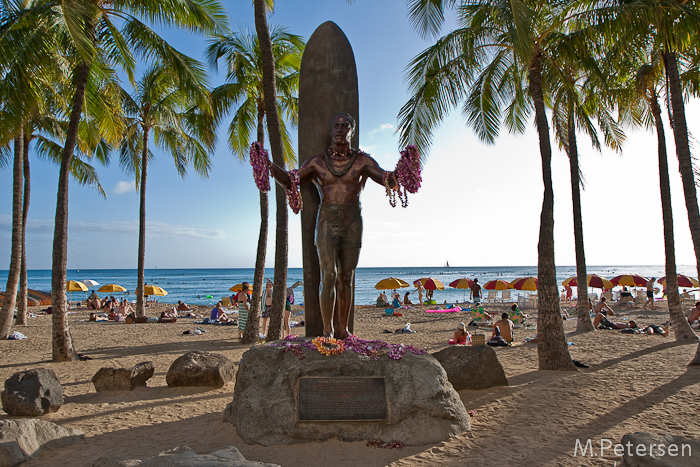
<point>479,205</point>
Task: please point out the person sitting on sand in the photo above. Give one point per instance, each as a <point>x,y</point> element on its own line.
<point>460,335</point>
<point>93,301</point>
<point>694,313</point>
<point>603,308</point>
<point>183,306</point>
<point>504,326</point>
<point>517,316</point>
<point>600,321</point>
<point>124,308</point>
<point>218,313</point>
<point>381,303</point>
<point>396,302</point>
<point>407,299</point>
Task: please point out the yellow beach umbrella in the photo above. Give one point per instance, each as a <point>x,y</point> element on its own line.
<point>76,286</point>
<point>111,288</point>
<point>154,290</point>
<point>239,288</point>
<point>390,283</point>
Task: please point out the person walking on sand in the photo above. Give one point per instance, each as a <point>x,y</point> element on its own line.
<point>266,307</point>
<point>419,289</point>
<point>475,291</point>
<point>650,294</point>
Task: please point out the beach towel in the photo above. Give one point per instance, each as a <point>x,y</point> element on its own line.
<point>16,335</point>
<point>448,310</point>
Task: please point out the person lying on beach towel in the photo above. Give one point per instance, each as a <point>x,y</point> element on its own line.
<point>600,321</point>
<point>183,306</point>
<point>654,329</point>
<point>460,336</point>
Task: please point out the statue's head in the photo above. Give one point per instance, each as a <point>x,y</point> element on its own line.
<point>342,126</point>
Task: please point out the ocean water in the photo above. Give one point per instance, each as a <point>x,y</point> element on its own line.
<point>206,286</point>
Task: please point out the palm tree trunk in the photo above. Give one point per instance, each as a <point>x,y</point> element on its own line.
<point>8,304</point>
<point>583,322</point>
<point>252,327</point>
<point>680,326</point>
<point>62,348</point>
<point>685,163</point>
<point>22,294</point>
<point>552,348</point>
<point>275,136</point>
<point>140,284</point>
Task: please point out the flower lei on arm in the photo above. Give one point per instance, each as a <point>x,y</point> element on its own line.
<point>293,195</point>
<point>262,168</point>
<point>407,176</point>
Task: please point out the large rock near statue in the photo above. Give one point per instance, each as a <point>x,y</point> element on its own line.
<point>472,367</point>
<point>32,393</point>
<point>422,406</point>
<point>184,456</point>
<point>123,379</point>
<point>200,369</point>
<point>667,451</point>
<point>21,439</point>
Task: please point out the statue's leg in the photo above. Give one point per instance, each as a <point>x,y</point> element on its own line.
<point>347,263</point>
<point>328,258</point>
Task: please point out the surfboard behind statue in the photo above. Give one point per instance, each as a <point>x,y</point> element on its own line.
<point>327,85</point>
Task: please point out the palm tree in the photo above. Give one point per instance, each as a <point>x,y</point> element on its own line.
<point>160,108</point>
<point>276,144</point>
<point>672,27</point>
<point>104,35</point>
<point>576,101</point>
<point>244,89</point>
<point>500,50</point>
<point>647,81</point>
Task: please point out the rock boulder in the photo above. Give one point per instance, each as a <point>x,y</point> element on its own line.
<point>123,379</point>
<point>184,456</point>
<point>31,434</point>
<point>200,369</point>
<point>32,393</point>
<point>422,405</point>
<point>667,451</point>
<point>471,367</point>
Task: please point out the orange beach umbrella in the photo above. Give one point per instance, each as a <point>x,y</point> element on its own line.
<point>524,283</point>
<point>497,284</point>
<point>632,280</point>
<point>462,283</point>
<point>154,290</point>
<point>683,281</point>
<point>429,283</point>
<point>239,288</point>
<point>593,281</point>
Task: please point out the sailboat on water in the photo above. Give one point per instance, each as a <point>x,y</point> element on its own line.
<point>447,264</point>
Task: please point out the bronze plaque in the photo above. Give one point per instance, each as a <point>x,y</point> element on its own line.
<point>343,398</point>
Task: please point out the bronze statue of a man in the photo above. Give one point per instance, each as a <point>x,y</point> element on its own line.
<point>339,174</point>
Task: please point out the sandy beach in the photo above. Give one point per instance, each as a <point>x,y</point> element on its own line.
<point>634,383</point>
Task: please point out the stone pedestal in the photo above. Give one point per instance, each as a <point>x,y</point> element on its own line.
<point>421,405</point>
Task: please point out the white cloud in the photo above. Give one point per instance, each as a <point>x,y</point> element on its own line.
<point>367,149</point>
<point>124,187</point>
<point>382,127</point>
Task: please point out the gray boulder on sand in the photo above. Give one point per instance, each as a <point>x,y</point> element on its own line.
<point>21,439</point>
<point>32,393</point>
<point>123,379</point>
<point>640,453</point>
<point>422,406</point>
<point>472,367</point>
<point>186,457</point>
<point>200,369</point>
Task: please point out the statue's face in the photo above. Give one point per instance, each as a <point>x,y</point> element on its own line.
<point>341,131</point>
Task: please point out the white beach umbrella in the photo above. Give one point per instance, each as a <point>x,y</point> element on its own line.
<point>91,283</point>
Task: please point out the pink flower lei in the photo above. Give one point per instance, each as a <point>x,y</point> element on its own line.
<point>262,168</point>
<point>407,176</point>
<point>293,195</point>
